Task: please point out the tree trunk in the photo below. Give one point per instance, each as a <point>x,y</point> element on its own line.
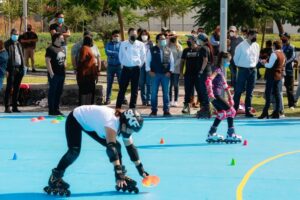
<point>121,23</point>
<point>279,26</point>
<point>21,23</point>
<point>165,22</point>
<point>182,17</point>
<point>170,14</point>
<point>264,33</point>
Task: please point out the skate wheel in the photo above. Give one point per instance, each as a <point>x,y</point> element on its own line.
<point>47,189</point>
<point>129,190</point>
<point>124,189</point>
<point>117,188</point>
<point>136,191</point>
<point>61,193</point>
<point>68,193</point>
<point>55,192</point>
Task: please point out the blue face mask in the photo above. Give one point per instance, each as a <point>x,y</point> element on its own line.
<point>226,63</point>
<point>163,43</point>
<point>14,38</point>
<point>60,20</point>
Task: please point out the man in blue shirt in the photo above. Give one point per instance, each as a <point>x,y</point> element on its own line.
<point>160,65</point>
<point>290,55</point>
<point>114,66</point>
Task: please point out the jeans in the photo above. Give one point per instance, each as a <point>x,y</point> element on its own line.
<point>189,85</point>
<point>281,106</point>
<point>56,85</point>
<point>112,71</point>
<point>174,83</point>
<point>145,85</point>
<point>289,85</point>
<point>1,83</point>
<point>202,90</point>
<point>164,81</point>
<point>246,79</point>
<point>272,86</point>
<point>13,81</point>
<point>298,89</point>
<point>132,75</point>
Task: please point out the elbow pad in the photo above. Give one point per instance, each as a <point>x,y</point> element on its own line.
<point>132,152</point>
<point>112,152</point>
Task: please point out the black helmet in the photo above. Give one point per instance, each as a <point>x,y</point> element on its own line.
<point>133,119</point>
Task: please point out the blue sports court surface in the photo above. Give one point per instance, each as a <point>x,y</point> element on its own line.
<point>189,168</point>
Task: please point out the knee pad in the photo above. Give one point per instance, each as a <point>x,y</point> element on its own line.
<point>112,151</point>
<point>72,154</point>
<point>221,115</point>
<point>230,113</point>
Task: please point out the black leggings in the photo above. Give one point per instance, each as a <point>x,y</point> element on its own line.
<point>74,136</point>
<point>220,104</point>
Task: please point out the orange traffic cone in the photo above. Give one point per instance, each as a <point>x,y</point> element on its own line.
<point>162,141</point>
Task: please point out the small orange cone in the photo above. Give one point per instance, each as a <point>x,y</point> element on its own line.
<point>245,143</point>
<point>162,141</point>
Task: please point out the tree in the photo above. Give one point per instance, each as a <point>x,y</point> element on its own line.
<point>72,18</point>
<point>182,7</point>
<point>247,12</point>
<point>240,13</point>
<point>115,7</point>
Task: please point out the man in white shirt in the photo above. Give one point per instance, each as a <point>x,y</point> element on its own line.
<point>246,58</point>
<point>160,65</point>
<point>132,56</point>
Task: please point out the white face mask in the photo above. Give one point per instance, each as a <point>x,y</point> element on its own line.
<point>145,38</point>
<point>231,34</point>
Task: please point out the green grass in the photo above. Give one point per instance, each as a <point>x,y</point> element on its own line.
<point>258,103</point>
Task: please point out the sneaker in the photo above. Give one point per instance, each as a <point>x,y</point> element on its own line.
<point>292,108</point>
<point>16,110</point>
<point>148,104</point>
<point>107,102</point>
<point>172,104</point>
<point>249,115</point>
<point>186,109</point>
<point>59,113</point>
<point>8,110</point>
<point>167,114</point>
<point>153,114</point>
<point>175,104</point>
<point>33,70</point>
<point>144,103</point>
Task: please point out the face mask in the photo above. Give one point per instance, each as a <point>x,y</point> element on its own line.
<point>253,40</point>
<point>133,38</point>
<point>231,34</point>
<point>60,20</point>
<point>189,43</point>
<point>226,63</point>
<point>200,42</point>
<point>14,38</point>
<point>144,38</point>
<point>173,40</point>
<point>116,39</point>
<point>163,43</point>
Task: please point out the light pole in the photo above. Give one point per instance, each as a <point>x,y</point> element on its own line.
<point>25,14</point>
<point>223,26</point>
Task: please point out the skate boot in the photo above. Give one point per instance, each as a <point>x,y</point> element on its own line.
<point>186,109</point>
<point>213,137</point>
<point>130,187</point>
<point>204,113</point>
<point>232,137</point>
<point>56,185</point>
